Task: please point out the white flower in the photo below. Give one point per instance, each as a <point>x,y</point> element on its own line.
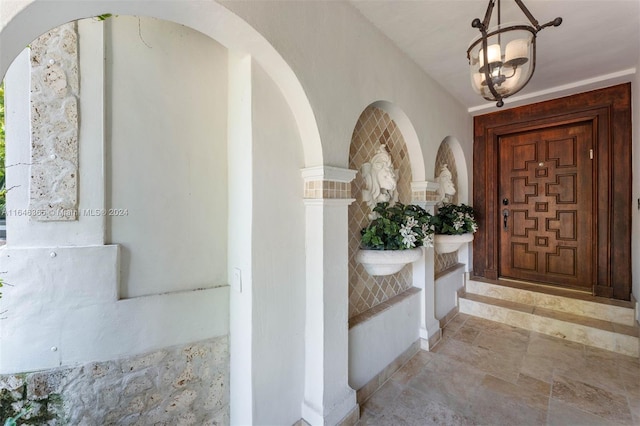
<point>408,236</point>
<point>428,240</point>
<point>411,222</point>
<point>427,232</point>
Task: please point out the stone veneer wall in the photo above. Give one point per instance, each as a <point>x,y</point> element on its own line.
<point>184,385</point>
<point>445,156</point>
<point>373,128</point>
<point>55,87</point>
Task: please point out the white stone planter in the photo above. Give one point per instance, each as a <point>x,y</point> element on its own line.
<point>386,262</point>
<point>450,243</point>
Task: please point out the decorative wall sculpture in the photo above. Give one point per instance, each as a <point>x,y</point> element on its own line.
<point>380,179</point>
<point>447,188</point>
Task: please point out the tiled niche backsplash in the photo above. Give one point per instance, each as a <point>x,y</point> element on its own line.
<point>374,127</point>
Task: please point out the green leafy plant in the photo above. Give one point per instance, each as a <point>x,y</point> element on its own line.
<point>103,17</point>
<point>454,219</point>
<point>398,227</point>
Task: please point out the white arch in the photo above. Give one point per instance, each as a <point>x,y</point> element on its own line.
<point>24,20</point>
<point>410,138</point>
<point>461,167</point>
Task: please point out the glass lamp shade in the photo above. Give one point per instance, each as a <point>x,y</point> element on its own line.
<point>510,57</point>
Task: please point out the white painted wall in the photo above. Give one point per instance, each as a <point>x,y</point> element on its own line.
<point>166,88</point>
<point>240,230</point>
<point>62,307</point>
<point>345,64</point>
<point>278,255</point>
<point>63,310</point>
<point>447,286</point>
<point>376,343</point>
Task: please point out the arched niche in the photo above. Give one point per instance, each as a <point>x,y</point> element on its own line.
<point>238,37</point>
<point>23,21</point>
<point>450,152</point>
<point>410,138</point>
<point>390,299</point>
<point>382,122</point>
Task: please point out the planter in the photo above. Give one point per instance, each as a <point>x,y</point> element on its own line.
<point>387,262</point>
<point>450,243</point>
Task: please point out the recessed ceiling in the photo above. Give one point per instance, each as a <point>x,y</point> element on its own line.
<point>597,45</point>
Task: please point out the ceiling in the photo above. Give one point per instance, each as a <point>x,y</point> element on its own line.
<point>597,45</point>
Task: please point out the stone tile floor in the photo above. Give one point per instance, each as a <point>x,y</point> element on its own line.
<point>487,373</point>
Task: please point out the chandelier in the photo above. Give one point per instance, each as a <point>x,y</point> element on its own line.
<point>509,52</point>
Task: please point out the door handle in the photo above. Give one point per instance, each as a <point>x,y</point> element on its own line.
<point>505,216</point>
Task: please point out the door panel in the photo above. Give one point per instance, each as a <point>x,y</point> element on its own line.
<point>546,197</point>
<point>609,112</point>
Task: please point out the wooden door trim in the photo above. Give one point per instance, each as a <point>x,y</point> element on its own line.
<point>609,110</point>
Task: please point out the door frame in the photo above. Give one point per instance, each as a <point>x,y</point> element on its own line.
<point>609,110</point>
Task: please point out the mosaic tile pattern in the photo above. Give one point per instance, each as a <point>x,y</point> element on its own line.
<point>327,189</point>
<point>374,127</point>
<point>445,156</point>
<point>424,196</point>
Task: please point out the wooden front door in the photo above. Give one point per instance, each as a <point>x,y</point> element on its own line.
<point>546,205</point>
<point>608,112</point>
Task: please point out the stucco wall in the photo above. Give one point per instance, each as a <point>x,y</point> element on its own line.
<point>279,256</point>
<point>166,155</point>
<point>376,343</point>
<point>343,65</point>
<point>63,306</point>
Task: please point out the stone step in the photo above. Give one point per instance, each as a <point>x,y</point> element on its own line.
<point>557,299</point>
<point>589,331</point>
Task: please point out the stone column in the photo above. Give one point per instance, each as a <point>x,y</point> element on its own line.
<point>425,195</point>
<point>328,399</point>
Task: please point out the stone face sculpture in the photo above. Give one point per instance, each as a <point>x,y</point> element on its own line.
<point>380,179</point>
<point>447,188</point>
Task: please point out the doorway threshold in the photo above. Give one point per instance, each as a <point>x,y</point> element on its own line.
<point>572,293</point>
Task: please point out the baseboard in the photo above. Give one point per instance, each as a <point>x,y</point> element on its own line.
<point>380,379</point>
<point>448,317</point>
